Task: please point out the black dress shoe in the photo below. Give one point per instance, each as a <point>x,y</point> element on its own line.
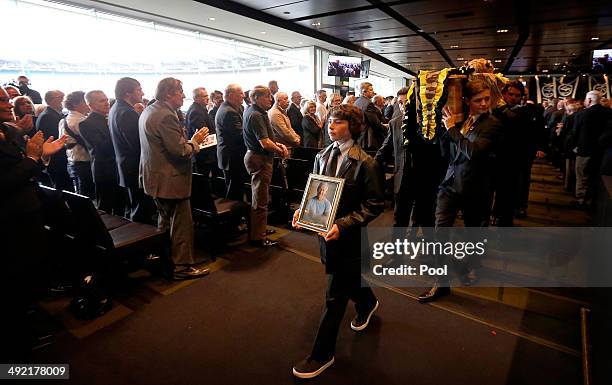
<point>263,243</point>
<point>270,231</point>
<point>190,273</point>
<point>434,293</point>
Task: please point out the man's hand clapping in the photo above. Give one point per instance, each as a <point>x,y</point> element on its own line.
<point>200,135</point>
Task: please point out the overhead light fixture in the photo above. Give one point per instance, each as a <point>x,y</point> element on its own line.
<point>594,38</point>
<point>420,30</point>
<point>459,58</point>
<point>497,60</point>
<point>211,18</point>
<point>263,32</point>
<point>502,30</point>
<point>299,42</point>
<point>316,24</point>
<point>544,71</point>
<point>454,46</point>
<point>557,64</point>
<point>365,43</point>
<point>501,49</point>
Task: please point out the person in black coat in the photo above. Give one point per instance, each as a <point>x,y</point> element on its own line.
<point>48,123</point>
<point>24,88</point>
<point>311,125</point>
<point>374,132</point>
<point>123,123</point>
<point>469,148</point>
<point>230,143</point>
<point>295,115</point>
<point>96,134</point>
<point>361,201</point>
<point>196,118</point>
<point>21,228</point>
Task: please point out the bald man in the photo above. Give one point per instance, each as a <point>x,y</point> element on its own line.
<point>281,124</point>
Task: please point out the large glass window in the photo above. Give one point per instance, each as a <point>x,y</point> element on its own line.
<point>71,48</point>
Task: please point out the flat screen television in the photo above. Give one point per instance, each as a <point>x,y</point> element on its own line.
<point>602,60</point>
<point>344,66</point>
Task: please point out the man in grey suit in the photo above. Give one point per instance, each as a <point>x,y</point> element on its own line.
<point>165,172</point>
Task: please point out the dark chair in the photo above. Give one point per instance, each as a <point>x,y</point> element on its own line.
<point>127,243</point>
<point>305,153</point>
<point>223,215</point>
<point>297,177</point>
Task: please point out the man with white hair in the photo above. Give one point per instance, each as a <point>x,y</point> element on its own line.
<point>280,122</point>
<point>589,124</point>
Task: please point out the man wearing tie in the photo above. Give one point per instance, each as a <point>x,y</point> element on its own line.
<point>468,147</point>
<point>362,200</point>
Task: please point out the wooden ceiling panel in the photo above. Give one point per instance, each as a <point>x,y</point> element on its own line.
<point>300,9</point>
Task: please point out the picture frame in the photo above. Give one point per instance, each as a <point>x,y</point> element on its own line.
<point>318,208</point>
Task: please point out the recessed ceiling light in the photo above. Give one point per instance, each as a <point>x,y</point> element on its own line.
<point>594,38</point>
<point>501,49</point>
<point>454,46</point>
<point>263,32</point>
<point>316,24</point>
<point>211,18</point>
<point>497,60</point>
<point>502,30</point>
<point>299,42</point>
<point>459,58</point>
<point>420,30</point>
<point>544,71</point>
<point>557,64</point>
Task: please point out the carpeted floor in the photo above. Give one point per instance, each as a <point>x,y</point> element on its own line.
<point>250,321</point>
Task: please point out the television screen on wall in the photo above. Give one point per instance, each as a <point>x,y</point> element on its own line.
<point>344,66</point>
<point>602,60</point>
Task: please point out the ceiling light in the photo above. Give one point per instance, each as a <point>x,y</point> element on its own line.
<point>594,38</point>
<point>459,58</point>
<point>502,30</point>
<point>544,71</point>
<point>420,30</point>
<point>263,32</point>
<point>299,42</point>
<point>557,64</point>
<point>497,60</point>
<point>316,24</point>
<point>365,43</point>
<point>501,49</point>
<point>211,18</point>
<point>454,46</point>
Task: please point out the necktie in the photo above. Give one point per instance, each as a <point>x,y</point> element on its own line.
<point>467,126</point>
<point>332,162</point>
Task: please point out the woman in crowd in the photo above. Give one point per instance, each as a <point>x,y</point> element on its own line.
<point>311,124</point>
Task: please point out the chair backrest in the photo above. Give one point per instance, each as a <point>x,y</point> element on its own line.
<point>201,196</point>
<point>56,214</point>
<point>305,153</point>
<point>297,173</point>
<point>89,226</point>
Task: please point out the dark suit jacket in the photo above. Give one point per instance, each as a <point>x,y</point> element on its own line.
<point>589,125</point>
<point>362,200</point>
<point>295,117</point>
<point>196,118</point>
<point>48,123</point>
<point>212,114</point>
<point>230,143</point>
<point>123,123</point>
<point>17,172</point>
<point>312,132</point>
<point>393,147</point>
<point>96,134</point>
<point>470,158</point>
<point>374,132</point>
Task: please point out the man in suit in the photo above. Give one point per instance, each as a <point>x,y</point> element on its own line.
<point>123,123</point>
<point>259,159</point>
<point>24,88</point>
<point>217,99</point>
<point>197,117</point>
<point>589,125</point>
<point>295,115</point>
<point>374,132</point>
<point>469,147</point>
<point>165,172</point>
<point>361,202</point>
<point>48,123</point>
<point>97,137</point>
<point>283,131</point>
<point>22,231</point>
<point>230,143</point>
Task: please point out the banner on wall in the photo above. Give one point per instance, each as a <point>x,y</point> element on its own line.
<point>600,83</point>
<point>556,87</point>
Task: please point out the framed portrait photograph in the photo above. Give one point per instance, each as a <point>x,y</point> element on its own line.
<point>320,202</point>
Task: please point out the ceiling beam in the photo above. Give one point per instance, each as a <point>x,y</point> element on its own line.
<point>521,11</point>
<point>255,14</point>
<point>384,7</point>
